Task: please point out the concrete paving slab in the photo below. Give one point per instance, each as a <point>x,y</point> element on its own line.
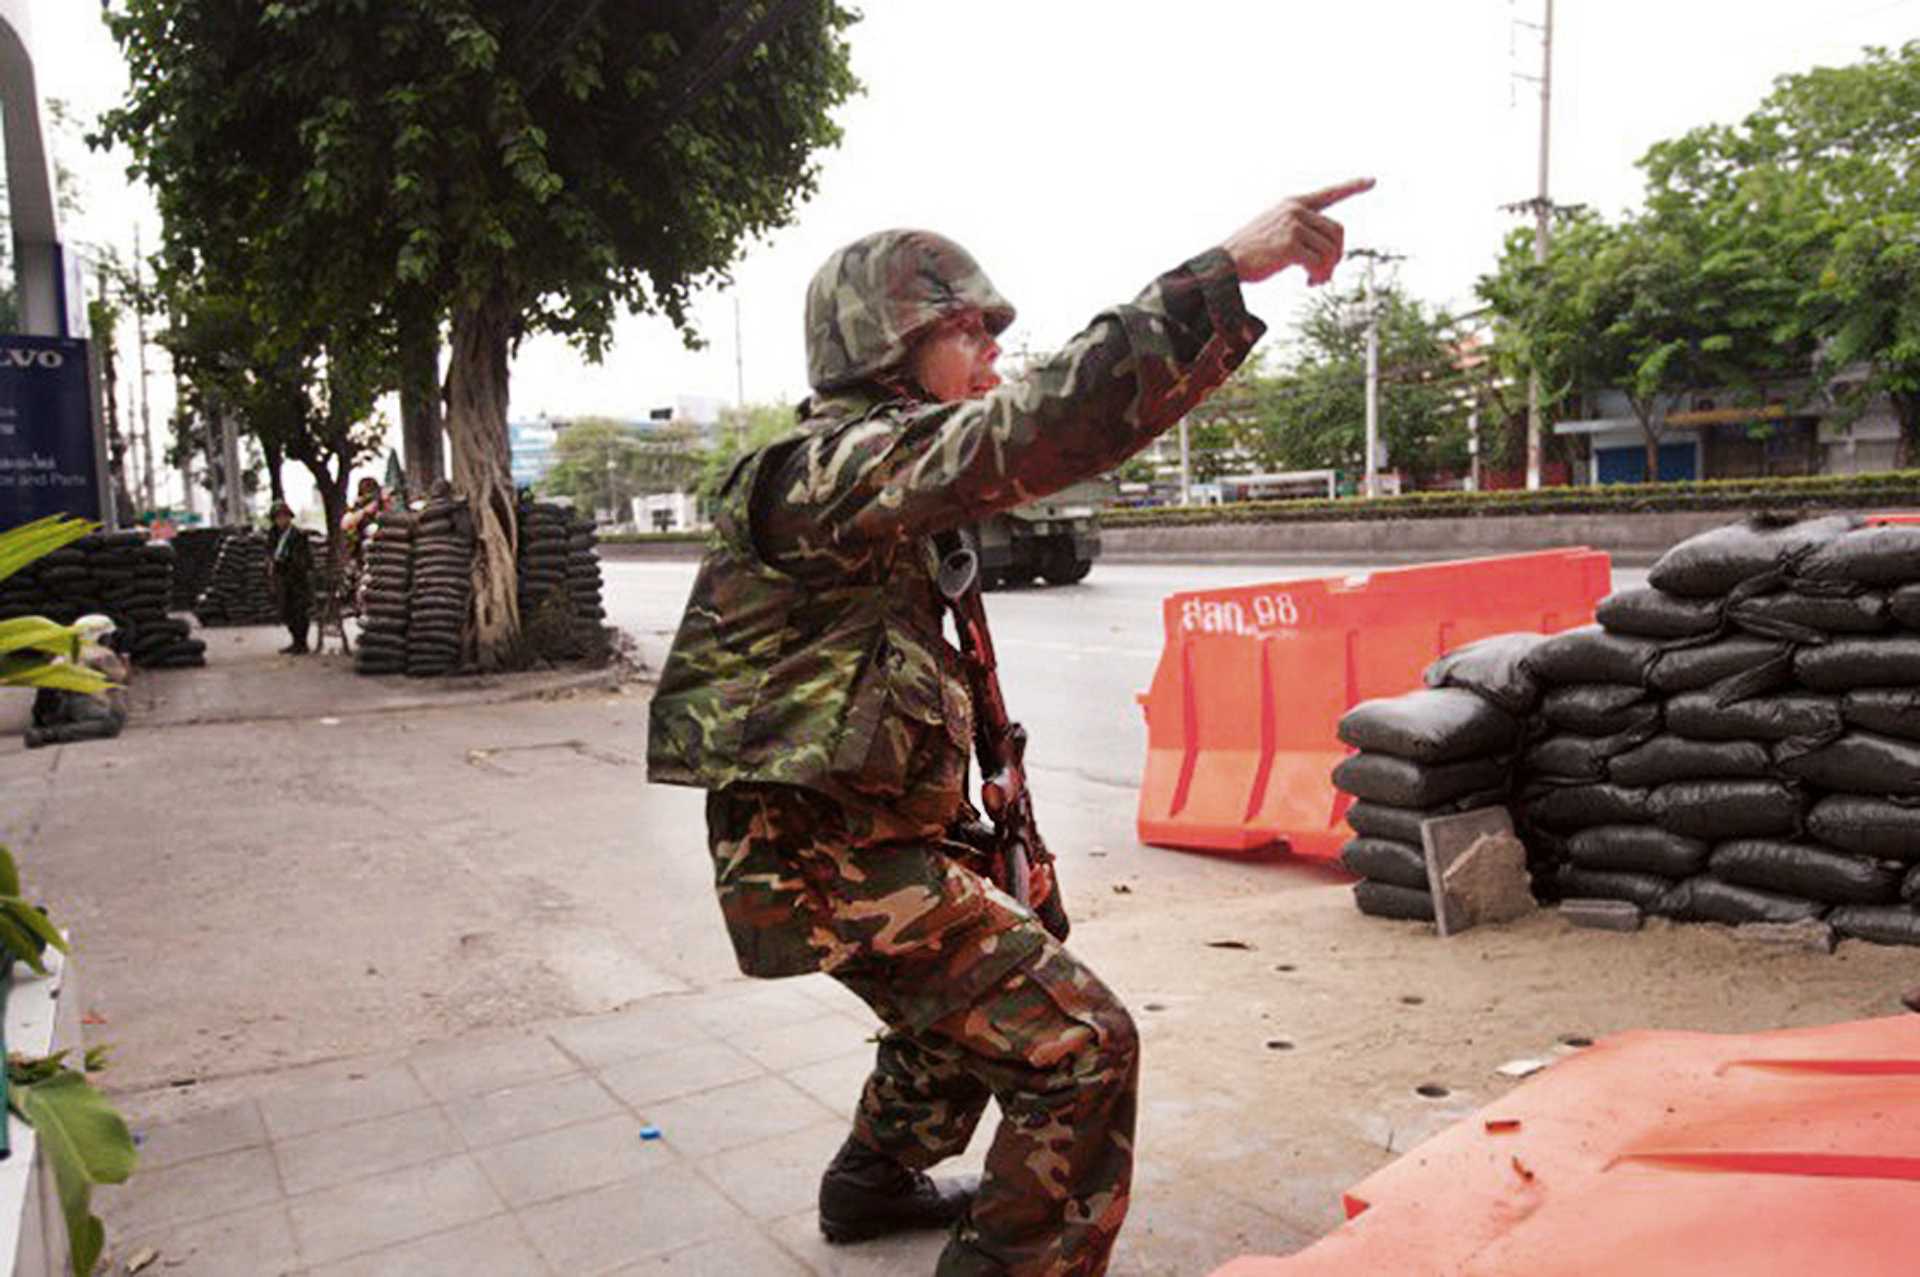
<point>254,1242</point>
<point>778,1177</point>
<point>799,1235</point>
<point>494,1247</point>
<point>342,1154</point>
<point>222,1130</point>
<point>572,1160</point>
<point>805,1042</point>
<point>754,1008</point>
<point>837,1082</point>
<point>356,1097</point>
<point>746,1256</point>
<point>474,1068</point>
<point>655,1079</point>
<point>391,1209</point>
<point>195,1190</point>
<point>699,1126</point>
<point>670,1209</point>
<point>660,1025</point>
<point>520,1111</point>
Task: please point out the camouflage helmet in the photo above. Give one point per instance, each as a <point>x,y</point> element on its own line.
<point>873,297</point>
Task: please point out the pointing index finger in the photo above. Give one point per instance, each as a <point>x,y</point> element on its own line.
<point>1332,195</point>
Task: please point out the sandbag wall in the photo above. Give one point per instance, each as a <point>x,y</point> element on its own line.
<point>441,588</point>
<point>1737,742</point>
<point>194,552</point>
<point>119,575</point>
<point>384,603</point>
<point>237,592</point>
<point>560,591</point>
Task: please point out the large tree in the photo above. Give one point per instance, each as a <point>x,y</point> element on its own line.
<point>532,164</point>
<point>1819,181</point>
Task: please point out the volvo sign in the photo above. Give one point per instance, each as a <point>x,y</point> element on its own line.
<point>48,463</point>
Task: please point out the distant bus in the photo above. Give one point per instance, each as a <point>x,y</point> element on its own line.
<point>1284,486</point>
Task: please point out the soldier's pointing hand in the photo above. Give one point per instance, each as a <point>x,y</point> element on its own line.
<point>1294,232</point>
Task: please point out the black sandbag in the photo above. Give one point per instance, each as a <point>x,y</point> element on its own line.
<point>1384,860</point>
<point>1576,807</point>
<point>1591,655</point>
<point>1910,887</point>
<point>1727,809</point>
<point>1885,555</point>
<point>1668,758</point>
<point>1869,826</point>
<point>1600,709</point>
<point>1650,613</point>
<point>1570,757</point>
<point>1891,711</point>
<point>1904,603</point>
<point>1762,664</point>
<point>1718,562</point>
<point>1845,664</point>
<point>1402,824</point>
<point>1800,869</point>
<point>1495,668</point>
<point>1776,717</point>
<point>1645,890</point>
<point>1385,900</point>
<point>1437,725</point>
<point>1395,781</point>
<point>1645,849</point>
<point>1808,618</point>
<point>1877,924</point>
<point>1860,763</point>
<point>1707,899</point>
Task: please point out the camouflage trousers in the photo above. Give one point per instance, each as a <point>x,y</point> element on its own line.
<point>979,1002</point>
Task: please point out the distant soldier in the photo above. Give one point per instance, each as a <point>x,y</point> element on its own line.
<point>61,717</point>
<point>290,569</point>
<point>812,692</point>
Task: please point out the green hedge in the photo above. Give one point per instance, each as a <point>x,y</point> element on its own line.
<point>1885,488</point>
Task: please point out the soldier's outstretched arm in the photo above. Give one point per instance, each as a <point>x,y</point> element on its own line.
<point>1133,372</point>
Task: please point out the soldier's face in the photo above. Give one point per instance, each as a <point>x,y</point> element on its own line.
<point>955,359</point>
<point>282,520</point>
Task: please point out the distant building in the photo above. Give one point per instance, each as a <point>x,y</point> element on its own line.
<point>668,512</point>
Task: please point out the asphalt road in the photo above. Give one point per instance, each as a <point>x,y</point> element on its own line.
<point>1072,657</point>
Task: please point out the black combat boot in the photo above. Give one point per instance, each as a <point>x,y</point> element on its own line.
<point>865,1194</point>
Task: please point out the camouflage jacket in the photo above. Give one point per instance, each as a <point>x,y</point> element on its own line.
<point>811,652</point>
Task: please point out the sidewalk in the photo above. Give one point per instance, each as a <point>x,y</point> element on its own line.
<point>520,1154</point>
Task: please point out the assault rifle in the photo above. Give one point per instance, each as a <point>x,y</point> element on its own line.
<point>1001,746</point>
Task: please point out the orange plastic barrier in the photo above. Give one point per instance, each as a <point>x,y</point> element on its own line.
<point>1253,681</point>
<point>1661,1155</point>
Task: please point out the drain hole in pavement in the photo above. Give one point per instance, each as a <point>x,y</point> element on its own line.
<point>1285,966</point>
<point>1432,1091</point>
<point>1279,1044</point>
<point>1574,1039</point>
<point>1413,999</point>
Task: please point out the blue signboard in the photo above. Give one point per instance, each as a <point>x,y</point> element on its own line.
<point>47,462</point>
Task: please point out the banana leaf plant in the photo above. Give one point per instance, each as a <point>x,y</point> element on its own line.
<point>86,1141</point>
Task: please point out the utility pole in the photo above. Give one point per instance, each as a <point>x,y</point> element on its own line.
<point>1542,207</point>
<point>148,494</point>
<point>1186,466</point>
<point>1371,486</point>
<point>739,356</point>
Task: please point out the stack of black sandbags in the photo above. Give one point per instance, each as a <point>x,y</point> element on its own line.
<point>583,577</point>
<point>237,592</point>
<point>1750,750</point>
<point>1428,753</point>
<point>119,575</point>
<point>441,589</point>
<point>385,592</point>
<point>194,553</point>
<point>545,548</point>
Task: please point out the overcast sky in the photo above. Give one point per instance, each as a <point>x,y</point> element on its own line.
<point>1080,148</point>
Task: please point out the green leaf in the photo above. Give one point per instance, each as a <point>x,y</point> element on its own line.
<point>22,669</point>
<point>22,545</point>
<point>37,633</point>
<point>9,872</point>
<point>24,913</point>
<point>87,1143</point>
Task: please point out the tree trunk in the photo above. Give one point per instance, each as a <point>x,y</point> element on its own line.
<point>275,460</point>
<point>420,402</point>
<point>482,470</point>
<point>1906,407</point>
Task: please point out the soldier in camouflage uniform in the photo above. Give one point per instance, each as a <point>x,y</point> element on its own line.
<point>811,690</point>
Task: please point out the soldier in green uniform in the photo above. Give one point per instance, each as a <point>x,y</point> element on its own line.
<point>812,692</point>
<point>290,572</point>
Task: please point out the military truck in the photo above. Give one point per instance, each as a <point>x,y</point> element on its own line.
<point>1056,538</point>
